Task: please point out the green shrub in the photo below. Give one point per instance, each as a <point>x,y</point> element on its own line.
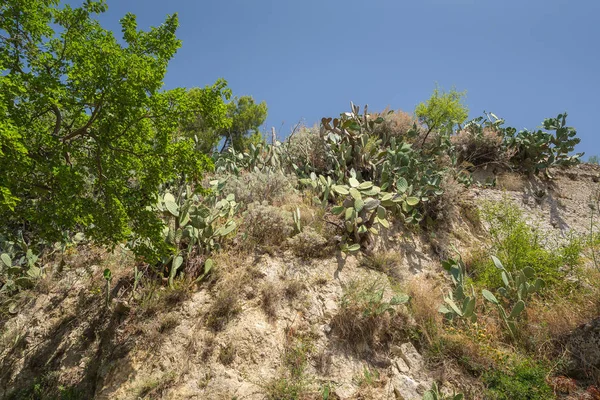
<point>519,245</point>
<point>87,136</point>
<point>526,381</point>
<point>267,225</point>
<point>442,111</point>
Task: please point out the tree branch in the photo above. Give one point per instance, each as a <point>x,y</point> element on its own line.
<point>58,120</point>
<point>83,129</point>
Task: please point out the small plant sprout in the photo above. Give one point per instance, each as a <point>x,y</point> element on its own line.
<point>108,278</point>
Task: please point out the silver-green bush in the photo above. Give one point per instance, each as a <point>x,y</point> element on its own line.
<point>308,244</point>
<point>259,186</point>
<point>267,225</point>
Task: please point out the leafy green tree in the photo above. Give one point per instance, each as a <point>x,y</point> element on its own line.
<point>246,116</point>
<point>442,112</point>
<point>86,135</point>
<point>210,120</point>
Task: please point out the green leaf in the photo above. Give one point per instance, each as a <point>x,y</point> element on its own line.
<point>387,197</point>
<point>497,262</point>
<point>353,248</point>
<point>358,205</point>
<point>517,309</point>
<point>372,191</point>
<point>505,278</point>
<point>227,229</point>
<point>341,189</point>
<point>350,213</point>
<point>400,299</point>
<point>177,262</point>
<point>402,185</point>
<point>6,259</point>
<point>529,272</point>
<point>429,395</point>
<point>34,272</point>
<point>353,182</point>
<point>444,310</point>
<point>489,296</point>
<point>365,185</point>
<point>412,201</point>
<point>453,305</point>
<point>355,194</point>
<point>337,210</point>
<point>384,222</point>
<point>171,205</point>
<point>470,308</point>
<point>371,204</point>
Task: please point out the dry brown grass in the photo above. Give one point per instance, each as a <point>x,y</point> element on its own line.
<point>385,261</point>
<point>208,347</point>
<point>293,288</point>
<point>472,355</point>
<point>154,331</point>
<point>552,319</point>
<point>426,297</point>
<point>270,294</point>
<point>155,386</point>
<point>366,324</point>
<point>511,182</point>
<point>226,305</point>
<point>395,124</point>
<point>227,354</point>
<point>480,149</point>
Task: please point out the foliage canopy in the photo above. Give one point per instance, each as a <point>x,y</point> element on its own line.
<point>87,136</point>
<point>442,111</point>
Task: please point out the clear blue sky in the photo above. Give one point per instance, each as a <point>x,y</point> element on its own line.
<point>523,60</point>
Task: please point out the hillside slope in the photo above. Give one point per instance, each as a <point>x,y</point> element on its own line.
<point>270,324</point>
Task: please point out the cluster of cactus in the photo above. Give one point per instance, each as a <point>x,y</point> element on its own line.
<point>258,157</point>
<point>516,290</point>
<point>352,142</point>
<point>518,285</point>
<point>534,151</point>
<point>360,211</point>
<point>510,320</point>
<point>357,149</point>
<point>18,265</point>
<point>321,185</point>
<point>195,224</point>
<point>358,155</point>
<point>457,303</point>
